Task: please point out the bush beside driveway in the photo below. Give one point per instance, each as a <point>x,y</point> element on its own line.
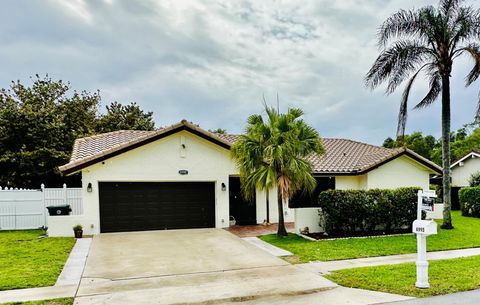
<point>28,260</point>
<point>465,235</point>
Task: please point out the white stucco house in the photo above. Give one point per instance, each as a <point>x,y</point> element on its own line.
<point>464,168</point>
<point>183,176</point>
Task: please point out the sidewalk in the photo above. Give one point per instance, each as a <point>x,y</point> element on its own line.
<point>326,267</point>
<point>37,294</point>
<point>461,298</point>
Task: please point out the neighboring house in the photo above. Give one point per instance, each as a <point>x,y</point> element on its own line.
<point>461,170</point>
<point>183,177</point>
<point>464,168</point>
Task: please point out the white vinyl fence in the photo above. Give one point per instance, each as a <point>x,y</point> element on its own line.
<point>61,196</point>
<point>26,209</point>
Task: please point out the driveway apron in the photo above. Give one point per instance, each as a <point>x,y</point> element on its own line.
<point>186,266</point>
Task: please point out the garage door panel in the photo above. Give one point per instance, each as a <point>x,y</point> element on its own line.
<point>134,206</point>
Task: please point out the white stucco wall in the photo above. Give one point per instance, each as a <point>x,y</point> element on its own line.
<point>63,225</point>
<point>288,214</point>
<point>308,217</point>
<point>348,182</point>
<point>461,174</point>
<point>160,161</point>
<point>400,172</point>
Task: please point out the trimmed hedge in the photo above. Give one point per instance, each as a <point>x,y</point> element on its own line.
<point>348,212</point>
<point>470,201</point>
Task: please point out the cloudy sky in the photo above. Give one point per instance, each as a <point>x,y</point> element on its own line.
<point>211,61</point>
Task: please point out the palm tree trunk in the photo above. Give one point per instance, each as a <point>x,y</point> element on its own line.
<point>447,218</point>
<point>281,222</point>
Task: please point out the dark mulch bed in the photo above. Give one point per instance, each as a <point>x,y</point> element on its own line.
<point>358,234</point>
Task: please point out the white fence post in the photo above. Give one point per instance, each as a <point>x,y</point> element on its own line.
<point>65,193</point>
<point>27,209</point>
<point>45,219</point>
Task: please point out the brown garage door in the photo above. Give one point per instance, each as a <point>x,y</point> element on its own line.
<point>139,206</point>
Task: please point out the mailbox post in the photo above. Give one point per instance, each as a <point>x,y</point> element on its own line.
<point>423,228</point>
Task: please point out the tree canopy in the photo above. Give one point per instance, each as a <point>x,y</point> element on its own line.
<point>40,122</point>
<point>218,130</point>
<point>462,141</point>
<point>125,117</point>
<point>423,145</point>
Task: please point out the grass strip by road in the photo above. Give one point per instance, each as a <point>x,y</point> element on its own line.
<point>465,235</point>
<point>65,301</point>
<point>28,261</point>
<point>445,276</point>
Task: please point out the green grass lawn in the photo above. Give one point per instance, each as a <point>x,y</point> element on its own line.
<point>445,276</point>
<point>465,235</point>
<point>28,261</point>
<point>66,301</point>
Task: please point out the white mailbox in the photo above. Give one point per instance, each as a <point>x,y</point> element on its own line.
<point>424,227</point>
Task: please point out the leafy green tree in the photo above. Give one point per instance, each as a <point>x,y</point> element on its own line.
<point>38,125</point>
<point>218,130</point>
<point>462,147</point>
<point>125,117</point>
<point>422,145</point>
<point>273,152</point>
<point>428,40</point>
<point>389,143</point>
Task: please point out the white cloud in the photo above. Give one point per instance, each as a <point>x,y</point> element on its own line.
<point>211,61</point>
<point>76,8</point>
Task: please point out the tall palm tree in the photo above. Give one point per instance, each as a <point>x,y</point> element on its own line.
<point>427,41</point>
<point>273,153</point>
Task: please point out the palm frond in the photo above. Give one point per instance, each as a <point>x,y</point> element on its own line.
<point>401,24</point>
<point>396,63</point>
<point>474,50</point>
<point>403,111</point>
<point>433,93</point>
<point>448,6</point>
<point>464,27</point>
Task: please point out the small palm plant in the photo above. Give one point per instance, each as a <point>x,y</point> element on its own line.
<point>273,153</point>
<point>428,40</point>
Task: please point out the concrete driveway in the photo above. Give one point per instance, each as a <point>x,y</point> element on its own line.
<point>186,266</point>
<point>160,253</point>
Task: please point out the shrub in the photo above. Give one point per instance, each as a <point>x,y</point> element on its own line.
<point>438,190</point>
<point>469,198</point>
<point>474,179</point>
<point>348,212</point>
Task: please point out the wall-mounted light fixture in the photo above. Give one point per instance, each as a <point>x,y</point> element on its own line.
<point>89,187</point>
<point>224,187</point>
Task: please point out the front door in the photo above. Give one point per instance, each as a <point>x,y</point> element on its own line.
<point>244,211</point>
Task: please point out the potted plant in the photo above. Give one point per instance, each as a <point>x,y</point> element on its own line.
<point>78,230</point>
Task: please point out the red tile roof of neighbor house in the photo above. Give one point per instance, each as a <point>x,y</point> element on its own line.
<point>341,156</point>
